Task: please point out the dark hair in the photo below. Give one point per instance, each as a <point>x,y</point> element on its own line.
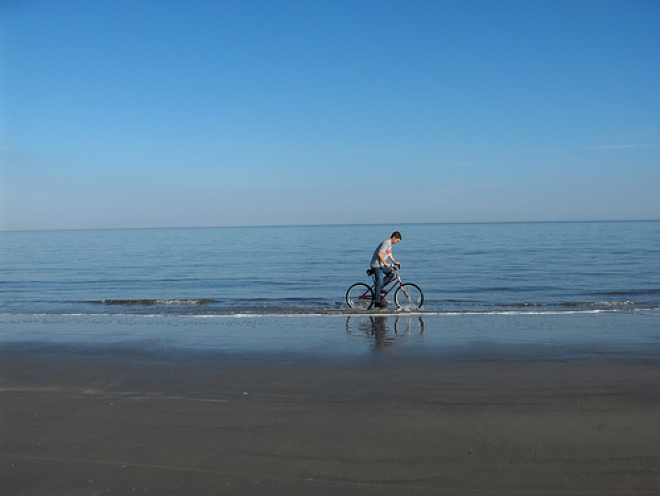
<point>396,234</point>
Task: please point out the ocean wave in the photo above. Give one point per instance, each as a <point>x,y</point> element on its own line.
<point>150,302</point>
<point>325,312</point>
<point>633,292</point>
<point>626,303</point>
<point>572,304</point>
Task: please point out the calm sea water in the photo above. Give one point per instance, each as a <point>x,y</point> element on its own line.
<point>544,268</point>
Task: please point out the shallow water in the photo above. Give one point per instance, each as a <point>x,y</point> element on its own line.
<point>562,336</point>
<point>462,268</point>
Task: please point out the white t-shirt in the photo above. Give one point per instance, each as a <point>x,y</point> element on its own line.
<point>386,249</point>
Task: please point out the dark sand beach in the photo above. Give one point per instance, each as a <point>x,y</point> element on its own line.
<point>128,421</point>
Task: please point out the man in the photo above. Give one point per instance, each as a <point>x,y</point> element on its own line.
<point>381,267</point>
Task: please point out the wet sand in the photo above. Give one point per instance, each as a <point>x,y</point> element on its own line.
<point>77,421</point>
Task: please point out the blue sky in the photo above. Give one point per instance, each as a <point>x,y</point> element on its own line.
<point>201,113</point>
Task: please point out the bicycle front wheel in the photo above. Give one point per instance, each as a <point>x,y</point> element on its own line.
<point>409,297</point>
<point>360,296</point>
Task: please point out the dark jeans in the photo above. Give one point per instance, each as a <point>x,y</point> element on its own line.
<point>383,275</point>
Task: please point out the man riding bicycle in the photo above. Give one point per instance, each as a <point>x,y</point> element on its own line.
<point>382,269</point>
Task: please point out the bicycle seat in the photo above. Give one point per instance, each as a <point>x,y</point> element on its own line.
<point>370,272</point>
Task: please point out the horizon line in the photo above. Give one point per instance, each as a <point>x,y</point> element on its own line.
<point>262,226</point>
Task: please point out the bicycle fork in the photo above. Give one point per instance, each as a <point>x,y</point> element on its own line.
<point>403,288</point>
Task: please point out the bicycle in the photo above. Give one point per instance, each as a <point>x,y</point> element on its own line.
<point>407,296</point>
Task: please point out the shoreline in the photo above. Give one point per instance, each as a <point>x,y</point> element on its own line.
<point>351,337</point>
<point>80,420</point>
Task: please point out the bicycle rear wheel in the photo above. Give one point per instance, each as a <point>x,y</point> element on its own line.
<point>409,297</point>
<point>360,296</point>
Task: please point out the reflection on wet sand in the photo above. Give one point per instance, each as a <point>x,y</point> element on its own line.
<point>384,330</point>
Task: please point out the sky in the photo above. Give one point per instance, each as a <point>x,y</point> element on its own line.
<point>163,113</point>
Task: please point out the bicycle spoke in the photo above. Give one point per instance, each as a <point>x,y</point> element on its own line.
<point>409,297</point>
<point>360,296</point>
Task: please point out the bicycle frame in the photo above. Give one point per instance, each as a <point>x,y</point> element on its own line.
<point>391,285</point>
<point>362,295</point>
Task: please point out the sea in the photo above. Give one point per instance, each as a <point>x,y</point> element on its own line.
<point>501,286</point>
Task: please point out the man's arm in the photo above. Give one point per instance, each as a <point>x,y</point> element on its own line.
<point>391,255</point>
<point>383,259</point>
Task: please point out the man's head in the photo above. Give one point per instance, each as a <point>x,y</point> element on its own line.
<point>396,237</point>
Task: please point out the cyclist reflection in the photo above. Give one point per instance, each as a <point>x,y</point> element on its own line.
<point>381,330</point>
